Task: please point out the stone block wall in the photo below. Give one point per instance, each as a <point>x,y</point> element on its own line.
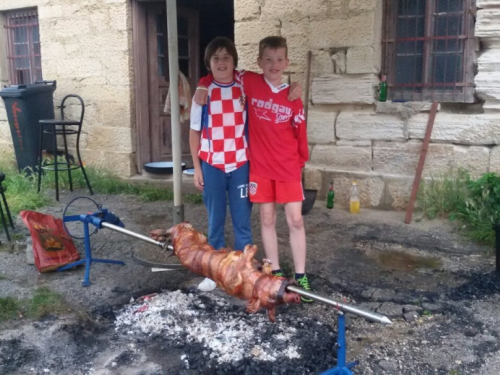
<point>86,47</point>
<point>351,135</point>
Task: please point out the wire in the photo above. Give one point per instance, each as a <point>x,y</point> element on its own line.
<point>98,206</point>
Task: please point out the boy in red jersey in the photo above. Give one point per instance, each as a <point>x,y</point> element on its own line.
<point>278,151</point>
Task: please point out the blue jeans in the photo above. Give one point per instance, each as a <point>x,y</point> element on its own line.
<point>221,187</point>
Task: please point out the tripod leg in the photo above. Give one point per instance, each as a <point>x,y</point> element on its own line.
<point>7,208</point>
<point>4,222</point>
<point>40,171</point>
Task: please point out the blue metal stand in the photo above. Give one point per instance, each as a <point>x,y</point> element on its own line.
<point>96,219</point>
<point>342,367</point>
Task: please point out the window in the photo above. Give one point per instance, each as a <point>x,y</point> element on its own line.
<point>429,49</point>
<point>23,43</point>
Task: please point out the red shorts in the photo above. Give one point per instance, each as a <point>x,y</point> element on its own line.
<point>265,190</point>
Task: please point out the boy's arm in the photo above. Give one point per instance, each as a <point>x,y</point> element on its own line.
<point>300,127</point>
<point>194,144</point>
<point>295,91</point>
<point>201,93</point>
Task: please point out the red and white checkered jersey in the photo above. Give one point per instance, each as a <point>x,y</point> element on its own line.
<point>223,140</point>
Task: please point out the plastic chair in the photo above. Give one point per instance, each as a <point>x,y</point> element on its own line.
<point>64,128</point>
<point>2,216</point>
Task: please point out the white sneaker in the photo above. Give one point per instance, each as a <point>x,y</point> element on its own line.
<point>207,285</point>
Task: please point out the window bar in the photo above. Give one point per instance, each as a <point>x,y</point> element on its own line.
<point>394,22</point>
<point>446,51</point>
<point>415,49</point>
<point>427,47</point>
<point>385,43</point>
<point>21,50</point>
<point>468,47</point>
<point>407,21</point>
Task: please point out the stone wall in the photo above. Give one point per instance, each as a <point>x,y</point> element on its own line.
<point>86,47</point>
<point>351,135</point>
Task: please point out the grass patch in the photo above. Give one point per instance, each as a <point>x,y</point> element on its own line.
<point>22,187</point>
<point>45,302</point>
<point>193,198</point>
<point>475,204</point>
<point>9,308</point>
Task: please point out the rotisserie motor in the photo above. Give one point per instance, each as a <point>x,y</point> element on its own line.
<point>235,272</point>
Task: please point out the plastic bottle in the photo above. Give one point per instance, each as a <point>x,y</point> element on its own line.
<point>354,199</point>
<point>330,197</point>
<point>383,89</point>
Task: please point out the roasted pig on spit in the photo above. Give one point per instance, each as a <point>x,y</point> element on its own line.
<point>235,272</point>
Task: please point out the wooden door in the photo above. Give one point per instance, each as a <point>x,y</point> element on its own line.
<point>158,68</point>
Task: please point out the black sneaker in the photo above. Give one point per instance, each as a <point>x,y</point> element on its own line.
<point>304,284</point>
<point>280,274</point>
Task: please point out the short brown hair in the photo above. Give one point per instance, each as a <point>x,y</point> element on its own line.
<point>273,42</point>
<point>219,43</point>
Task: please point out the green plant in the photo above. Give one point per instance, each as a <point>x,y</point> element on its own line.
<point>45,302</point>
<point>475,203</point>
<point>22,187</point>
<point>9,308</point>
<point>444,194</point>
<point>194,198</point>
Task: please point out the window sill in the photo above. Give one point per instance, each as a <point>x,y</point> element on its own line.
<point>406,107</point>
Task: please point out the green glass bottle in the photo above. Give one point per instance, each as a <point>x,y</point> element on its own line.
<point>383,89</point>
<point>330,197</point>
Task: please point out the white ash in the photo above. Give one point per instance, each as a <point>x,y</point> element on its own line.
<point>229,335</point>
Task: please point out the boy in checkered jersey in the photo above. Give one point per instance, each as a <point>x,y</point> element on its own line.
<point>278,151</point>
<point>219,150</point>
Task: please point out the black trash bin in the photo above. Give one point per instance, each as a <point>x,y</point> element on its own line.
<point>26,105</point>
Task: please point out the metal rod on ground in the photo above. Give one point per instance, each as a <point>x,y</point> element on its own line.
<point>421,162</point>
<point>173,64</point>
<point>368,315</point>
<point>374,317</point>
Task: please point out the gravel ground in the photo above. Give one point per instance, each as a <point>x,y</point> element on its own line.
<point>440,291</point>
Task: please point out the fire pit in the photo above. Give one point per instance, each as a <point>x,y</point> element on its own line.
<point>215,335</point>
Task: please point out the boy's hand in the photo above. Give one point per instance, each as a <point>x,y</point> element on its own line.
<point>201,95</point>
<point>198,179</point>
<point>295,91</point>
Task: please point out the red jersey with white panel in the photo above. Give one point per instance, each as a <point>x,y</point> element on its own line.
<point>277,130</point>
<point>223,140</point>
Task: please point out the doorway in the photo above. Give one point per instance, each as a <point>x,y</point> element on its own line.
<point>198,22</point>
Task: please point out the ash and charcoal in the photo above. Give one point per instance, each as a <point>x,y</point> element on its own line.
<point>214,335</point>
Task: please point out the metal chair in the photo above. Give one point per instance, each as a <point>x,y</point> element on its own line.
<point>2,216</point>
<point>63,128</point>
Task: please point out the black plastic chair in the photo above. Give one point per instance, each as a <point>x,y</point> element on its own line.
<point>63,128</point>
<point>2,216</point>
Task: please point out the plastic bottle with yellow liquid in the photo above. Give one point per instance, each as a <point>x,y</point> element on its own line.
<point>354,199</point>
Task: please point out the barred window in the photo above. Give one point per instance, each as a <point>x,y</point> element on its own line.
<point>429,50</point>
<point>23,46</point>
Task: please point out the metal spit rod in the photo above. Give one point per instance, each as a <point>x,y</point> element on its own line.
<point>116,228</point>
<point>374,317</point>
<point>368,315</point>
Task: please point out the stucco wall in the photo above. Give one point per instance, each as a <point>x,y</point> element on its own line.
<point>86,47</point>
<point>350,134</point>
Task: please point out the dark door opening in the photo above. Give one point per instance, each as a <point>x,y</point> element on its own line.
<point>198,22</point>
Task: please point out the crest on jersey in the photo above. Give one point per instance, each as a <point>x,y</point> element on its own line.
<point>252,187</point>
